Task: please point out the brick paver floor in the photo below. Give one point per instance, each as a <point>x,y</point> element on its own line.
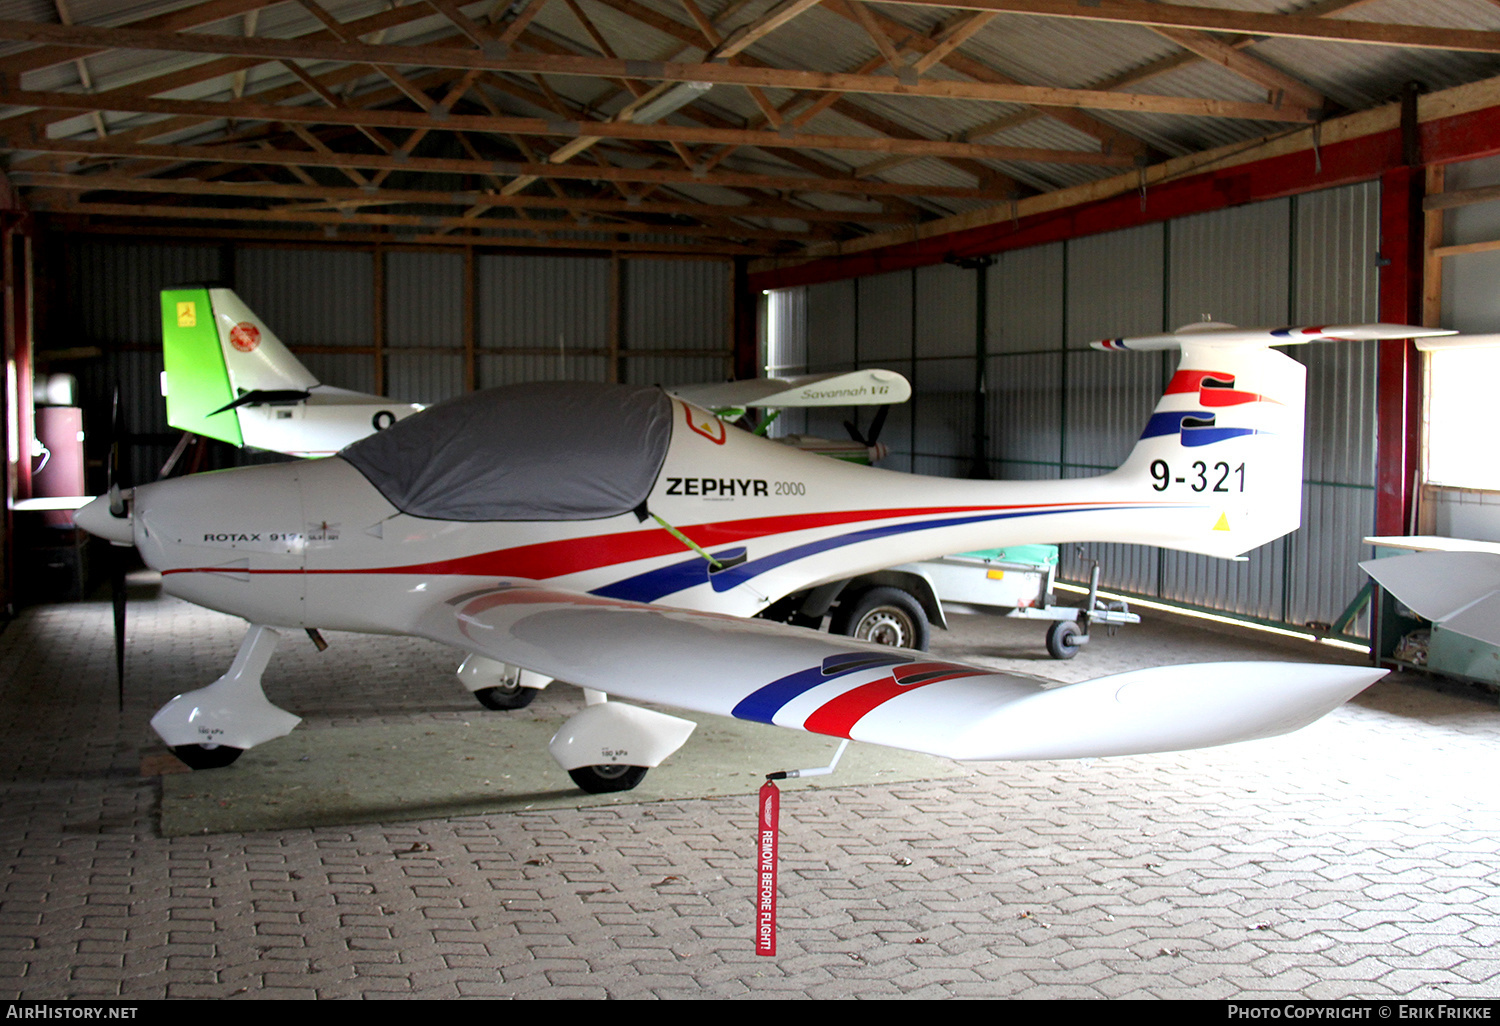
<point>1357,858</point>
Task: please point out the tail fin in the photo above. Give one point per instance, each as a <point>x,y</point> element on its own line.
<point>1220,460</point>
<point>216,352</point>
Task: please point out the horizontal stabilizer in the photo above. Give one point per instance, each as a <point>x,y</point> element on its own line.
<point>805,680</point>
<point>853,388</point>
<point>262,397</point>
<point>1459,590</point>
<point>1215,334</point>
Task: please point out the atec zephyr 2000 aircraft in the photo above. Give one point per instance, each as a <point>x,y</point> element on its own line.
<point>623,541</point>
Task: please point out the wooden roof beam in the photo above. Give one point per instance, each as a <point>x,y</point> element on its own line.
<point>1219,19</point>
<point>512,31</point>
<point>358,196</point>
<point>953,35</point>
<point>333,234</point>
<point>463,59</point>
<point>712,37</point>
<point>337,28</point>
<point>1112,139</point>
<point>187,18</point>
<point>804,160</point>
<point>580,131</point>
<point>287,216</point>
<point>1275,81</point>
<point>188,154</point>
<point>747,35</point>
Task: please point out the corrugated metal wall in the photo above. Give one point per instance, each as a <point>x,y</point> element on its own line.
<point>111,301</point>
<point>1056,408</point>
<point>1118,278</point>
<point>676,321</point>
<point>542,318</point>
<point>415,324</point>
<point>1335,279</point>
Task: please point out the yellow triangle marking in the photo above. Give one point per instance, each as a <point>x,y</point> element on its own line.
<point>1223,524</point>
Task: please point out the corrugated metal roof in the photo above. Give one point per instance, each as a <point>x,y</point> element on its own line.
<point>1061,52</point>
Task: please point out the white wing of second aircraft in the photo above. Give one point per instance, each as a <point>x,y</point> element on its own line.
<point>1227,334</point>
<point>1459,590</point>
<point>851,388</point>
<point>805,680</point>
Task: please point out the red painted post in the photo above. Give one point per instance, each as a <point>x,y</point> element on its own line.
<point>1398,381</point>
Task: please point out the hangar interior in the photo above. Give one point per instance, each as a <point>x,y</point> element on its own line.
<point>430,198</point>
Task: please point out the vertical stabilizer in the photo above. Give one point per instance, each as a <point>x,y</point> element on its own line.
<point>195,381</point>
<point>1222,452</point>
<point>255,358</point>
<point>216,352</point>
<point>1221,456</point>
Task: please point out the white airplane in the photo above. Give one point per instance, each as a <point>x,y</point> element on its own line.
<point>624,541</point>
<point>227,376</point>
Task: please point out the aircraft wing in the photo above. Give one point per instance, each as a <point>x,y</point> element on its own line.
<point>827,684</point>
<point>1460,590</point>
<point>851,388</point>
<point>1227,334</point>
<point>1455,341</point>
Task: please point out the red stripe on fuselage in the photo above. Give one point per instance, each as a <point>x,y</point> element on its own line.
<point>575,555</point>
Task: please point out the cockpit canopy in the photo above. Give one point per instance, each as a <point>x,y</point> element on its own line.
<point>546,451</point>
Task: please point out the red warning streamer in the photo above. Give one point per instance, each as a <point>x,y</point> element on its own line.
<point>765,860</point>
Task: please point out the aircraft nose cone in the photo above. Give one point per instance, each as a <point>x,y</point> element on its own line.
<point>96,519</point>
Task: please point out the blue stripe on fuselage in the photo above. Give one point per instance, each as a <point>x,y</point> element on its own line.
<point>653,584</point>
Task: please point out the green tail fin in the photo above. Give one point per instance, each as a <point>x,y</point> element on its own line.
<point>196,380</point>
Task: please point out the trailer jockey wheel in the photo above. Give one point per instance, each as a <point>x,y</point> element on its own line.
<point>1062,639</point>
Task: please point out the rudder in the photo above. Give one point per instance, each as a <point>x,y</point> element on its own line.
<point>195,379</point>
<point>1222,451</point>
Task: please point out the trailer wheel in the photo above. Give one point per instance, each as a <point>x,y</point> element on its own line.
<point>1062,639</point>
<point>886,616</point>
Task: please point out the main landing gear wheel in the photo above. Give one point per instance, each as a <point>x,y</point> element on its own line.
<point>886,616</point>
<point>505,697</point>
<point>1062,639</point>
<point>200,757</point>
<point>604,779</point>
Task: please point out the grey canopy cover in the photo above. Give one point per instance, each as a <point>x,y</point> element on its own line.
<point>547,451</point>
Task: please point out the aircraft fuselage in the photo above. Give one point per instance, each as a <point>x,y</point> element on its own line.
<point>315,544</point>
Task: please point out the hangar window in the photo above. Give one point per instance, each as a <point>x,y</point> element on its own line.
<point>1461,451</point>
<point>784,348</point>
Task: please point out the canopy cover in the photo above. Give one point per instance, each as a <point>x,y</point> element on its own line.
<point>548,451</point>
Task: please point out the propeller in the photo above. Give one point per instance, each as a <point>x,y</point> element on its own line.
<point>117,508</point>
<point>870,439</point>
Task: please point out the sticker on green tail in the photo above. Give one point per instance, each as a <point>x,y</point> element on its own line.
<point>197,382</point>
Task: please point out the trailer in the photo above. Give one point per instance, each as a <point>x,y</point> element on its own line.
<point>1017,581</point>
